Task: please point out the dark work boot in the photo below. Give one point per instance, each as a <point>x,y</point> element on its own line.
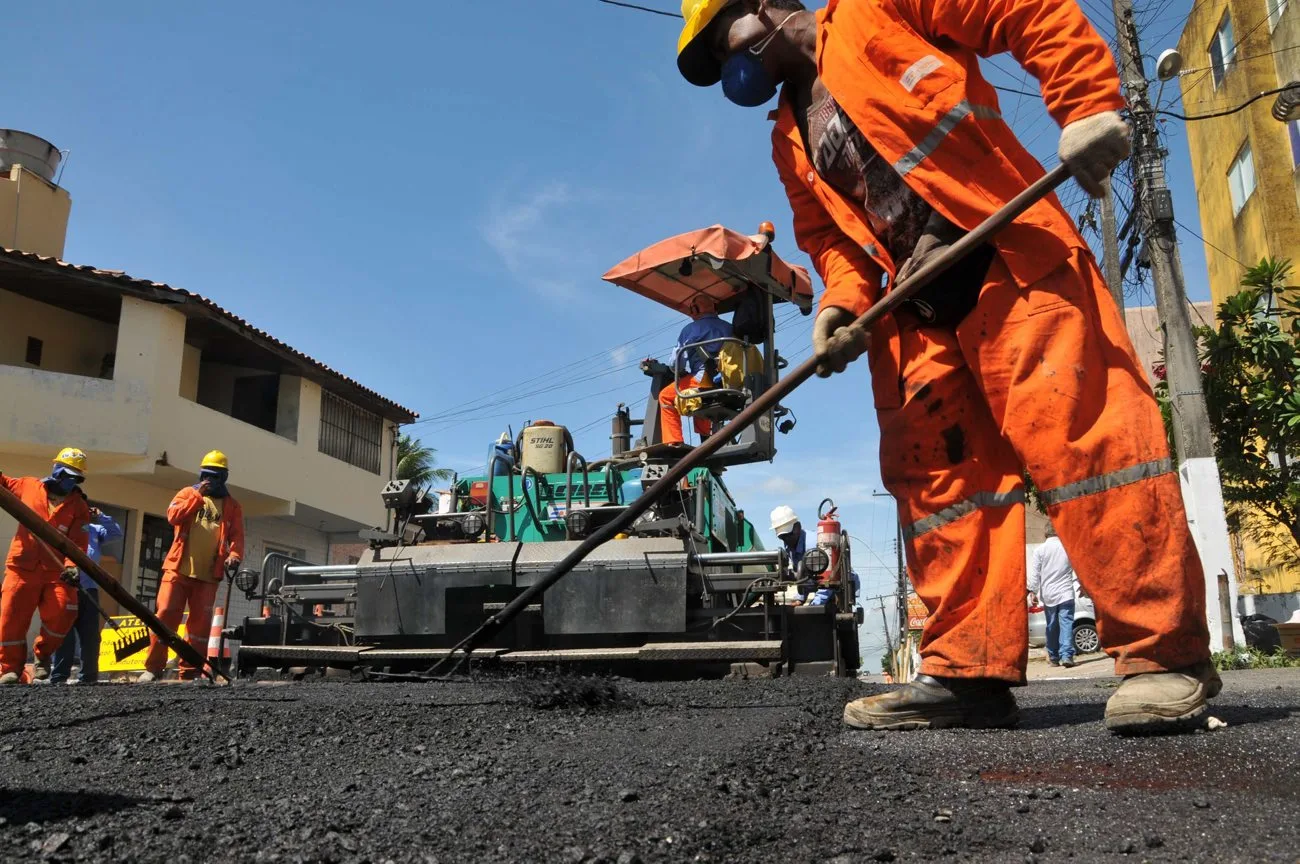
<point>937,703</point>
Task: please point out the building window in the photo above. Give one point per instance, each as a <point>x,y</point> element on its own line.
<point>350,433</point>
<point>1241,179</point>
<point>1275,10</point>
<point>1222,50</point>
<point>34,349</point>
<point>1293,132</point>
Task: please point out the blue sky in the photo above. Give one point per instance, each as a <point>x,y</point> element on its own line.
<point>424,196</point>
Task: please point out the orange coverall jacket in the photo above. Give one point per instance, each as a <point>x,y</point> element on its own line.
<point>907,73</point>
<point>29,555</point>
<point>180,514</point>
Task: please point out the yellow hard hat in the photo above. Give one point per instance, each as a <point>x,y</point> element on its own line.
<point>72,459</point>
<point>216,459</point>
<point>695,58</point>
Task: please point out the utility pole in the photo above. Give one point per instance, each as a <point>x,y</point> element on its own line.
<point>1154,207</point>
<point>902,587</point>
<point>1110,246</point>
<point>884,619</point>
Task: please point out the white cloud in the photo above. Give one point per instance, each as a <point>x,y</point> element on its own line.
<point>618,356</point>
<point>524,235</point>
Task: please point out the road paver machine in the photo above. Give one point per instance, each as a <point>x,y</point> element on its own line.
<point>689,589</point>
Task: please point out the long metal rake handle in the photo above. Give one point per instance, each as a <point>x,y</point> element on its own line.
<point>768,399</point>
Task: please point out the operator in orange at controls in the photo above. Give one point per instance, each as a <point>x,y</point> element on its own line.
<point>891,146</point>
<point>38,578</point>
<point>209,544</point>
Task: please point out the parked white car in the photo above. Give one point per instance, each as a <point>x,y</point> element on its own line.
<point>1086,640</point>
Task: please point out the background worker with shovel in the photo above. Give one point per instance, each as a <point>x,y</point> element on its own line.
<point>891,147</point>
<point>35,579</point>
<point>209,541</point>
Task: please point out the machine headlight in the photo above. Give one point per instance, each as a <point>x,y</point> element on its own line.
<point>246,580</point>
<point>578,522</point>
<point>815,561</point>
<point>473,524</point>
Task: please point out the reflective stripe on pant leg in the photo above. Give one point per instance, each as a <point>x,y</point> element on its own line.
<point>1104,482</point>
<point>948,515</point>
<point>1058,370</point>
<point>942,458</point>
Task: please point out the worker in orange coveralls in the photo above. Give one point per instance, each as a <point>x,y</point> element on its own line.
<point>697,365</point>
<point>38,578</point>
<point>891,146</point>
<point>209,543</point>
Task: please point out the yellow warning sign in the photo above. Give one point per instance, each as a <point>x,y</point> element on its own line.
<point>124,644</point>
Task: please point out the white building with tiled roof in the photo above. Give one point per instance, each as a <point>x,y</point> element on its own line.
<point>147,378</point>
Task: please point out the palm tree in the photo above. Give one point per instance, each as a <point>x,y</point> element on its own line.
<point>417,462</point>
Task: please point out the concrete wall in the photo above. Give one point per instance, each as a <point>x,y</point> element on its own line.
<point>72,343</point>
<point>33,213</point>
<point>190,361</point>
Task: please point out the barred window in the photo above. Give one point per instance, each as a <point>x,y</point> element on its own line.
<point>350,433</point>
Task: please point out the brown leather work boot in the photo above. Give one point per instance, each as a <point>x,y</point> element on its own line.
<point>1156,702</point>
<point>937,703</point>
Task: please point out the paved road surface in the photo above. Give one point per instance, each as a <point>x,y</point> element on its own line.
<point>702,771</point>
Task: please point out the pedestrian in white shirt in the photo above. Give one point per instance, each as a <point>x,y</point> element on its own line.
<point>1051,581</point>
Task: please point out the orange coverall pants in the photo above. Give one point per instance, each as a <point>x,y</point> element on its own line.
<point>23,594</point>
<point>1044,378</point>
<point>175,594</point>
<point>670,420</point>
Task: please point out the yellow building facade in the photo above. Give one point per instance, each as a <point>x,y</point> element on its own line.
<point>1245,166</point>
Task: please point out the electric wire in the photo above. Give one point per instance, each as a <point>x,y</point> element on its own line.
<point>638,8</point>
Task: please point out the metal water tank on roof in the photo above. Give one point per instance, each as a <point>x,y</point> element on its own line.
<point>31,151</point>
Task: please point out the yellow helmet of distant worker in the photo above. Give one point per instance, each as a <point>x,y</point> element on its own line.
<point>216,459</point>
<point>72,459</point>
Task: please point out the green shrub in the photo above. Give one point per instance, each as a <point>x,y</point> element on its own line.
<point>1253,658</point>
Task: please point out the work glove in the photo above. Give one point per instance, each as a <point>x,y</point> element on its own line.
<point>1092,147</point>
<point>70,575</point>
<point>835,344</point>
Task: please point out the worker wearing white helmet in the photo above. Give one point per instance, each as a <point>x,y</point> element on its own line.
<point>787,528</point>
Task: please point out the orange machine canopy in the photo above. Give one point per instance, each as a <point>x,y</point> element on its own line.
<point>715,261</point>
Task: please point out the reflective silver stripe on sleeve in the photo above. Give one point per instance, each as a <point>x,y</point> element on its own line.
<point>17,642</point>
<point>946,124</point>
<point>53,633</point>
<point>1105,482</point>
<point>951,514</point>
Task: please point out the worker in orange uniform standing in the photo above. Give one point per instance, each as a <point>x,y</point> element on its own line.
<point>38,578</point>
<point>209,543</point>
<point>891,146</point>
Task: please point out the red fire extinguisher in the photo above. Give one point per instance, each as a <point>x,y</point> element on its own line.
<point>830,537</point>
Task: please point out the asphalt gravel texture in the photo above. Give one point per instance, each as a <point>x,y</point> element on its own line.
<point>588,770</point>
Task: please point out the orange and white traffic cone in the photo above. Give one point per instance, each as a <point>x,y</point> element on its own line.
<point>214,635</point>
